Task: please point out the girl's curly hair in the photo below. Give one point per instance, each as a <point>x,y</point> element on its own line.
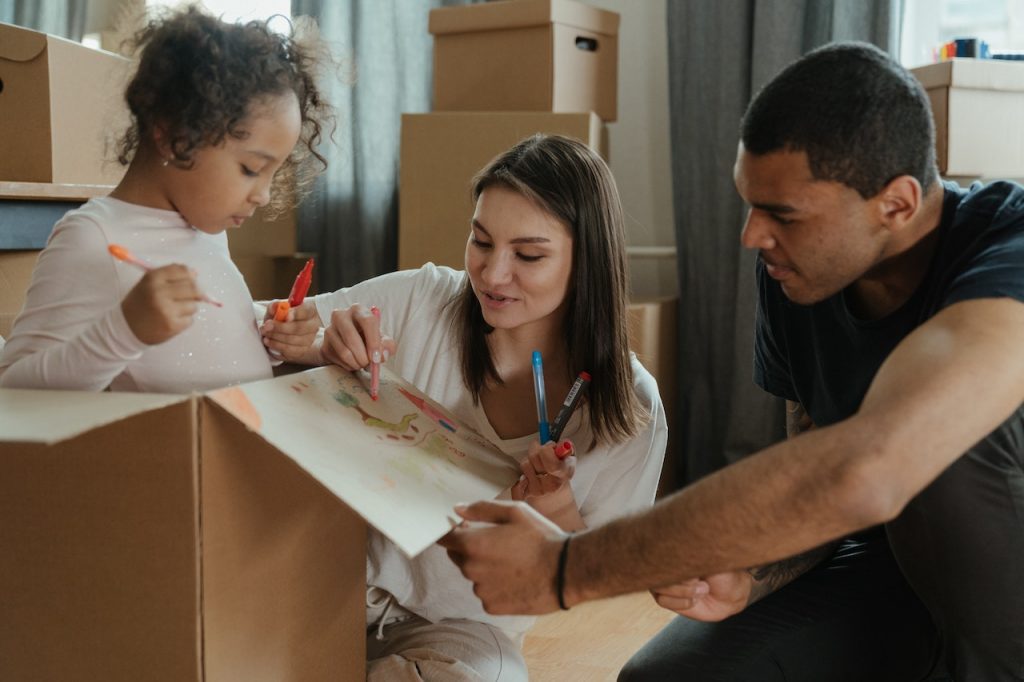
<point>199,77</point>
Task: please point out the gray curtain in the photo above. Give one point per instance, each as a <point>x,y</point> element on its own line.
<point>385,54</point>
<point>64,18</point>
<point>720,54</point>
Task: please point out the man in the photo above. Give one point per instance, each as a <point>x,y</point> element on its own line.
<point>891,318</point>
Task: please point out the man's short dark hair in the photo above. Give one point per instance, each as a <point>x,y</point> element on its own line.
<point>861,118</point>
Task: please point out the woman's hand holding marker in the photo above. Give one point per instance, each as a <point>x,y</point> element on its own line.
<point>544,484</point>
<point>352,338</point>
<point>547,469</point>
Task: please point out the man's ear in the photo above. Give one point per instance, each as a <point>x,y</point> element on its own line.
<point>898,202</point>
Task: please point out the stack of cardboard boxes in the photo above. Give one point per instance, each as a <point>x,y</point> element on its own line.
<point>60,104</point>
<point>502,71</point>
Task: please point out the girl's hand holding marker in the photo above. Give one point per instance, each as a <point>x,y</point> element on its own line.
<point>291,325</point>
<point>163,302</point>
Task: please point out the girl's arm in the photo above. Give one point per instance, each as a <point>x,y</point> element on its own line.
<point>72,333</point>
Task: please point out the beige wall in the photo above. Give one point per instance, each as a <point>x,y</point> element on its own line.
<point>639,139</point>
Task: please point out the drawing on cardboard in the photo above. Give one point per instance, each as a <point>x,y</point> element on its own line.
<point>402,462</point>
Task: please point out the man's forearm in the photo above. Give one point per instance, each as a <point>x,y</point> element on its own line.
<point>771,577</point>
<point>790,497</point>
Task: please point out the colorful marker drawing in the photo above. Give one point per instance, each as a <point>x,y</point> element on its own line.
<point>426,409</point>
<point>401,469</point>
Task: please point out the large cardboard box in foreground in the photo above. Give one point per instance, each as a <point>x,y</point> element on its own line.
<point>59,101</point>
<point>156,538</point>
<point>526,55</point>
<point>219,536</point>
<point>441,152</point>
<point>979,126</point>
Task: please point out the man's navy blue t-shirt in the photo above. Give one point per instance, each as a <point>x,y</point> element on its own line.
<point>825,358</point>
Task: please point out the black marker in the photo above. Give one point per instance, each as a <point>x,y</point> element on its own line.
<point>569,405</point>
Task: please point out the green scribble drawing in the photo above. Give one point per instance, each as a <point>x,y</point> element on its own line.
<point>348,400</point>
<point>410,467</point>
<point>435,445</point>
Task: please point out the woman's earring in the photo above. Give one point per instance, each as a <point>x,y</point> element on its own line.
<point>166,161</point>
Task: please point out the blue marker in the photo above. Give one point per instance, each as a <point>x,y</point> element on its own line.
<point>542,406</point>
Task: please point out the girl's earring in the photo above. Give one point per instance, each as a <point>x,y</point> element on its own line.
<point>166,161</point>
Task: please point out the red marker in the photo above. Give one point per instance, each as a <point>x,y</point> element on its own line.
<point>428,410</point>
<point>298,292</point>
<point>564,449</point>
<point>121,253</point>
<point>375,366</point>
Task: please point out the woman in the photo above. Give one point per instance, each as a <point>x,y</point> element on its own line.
<point>545,270</point>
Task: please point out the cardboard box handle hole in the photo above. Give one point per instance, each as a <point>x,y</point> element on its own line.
<point>1,85</point>
<point>586,44</point>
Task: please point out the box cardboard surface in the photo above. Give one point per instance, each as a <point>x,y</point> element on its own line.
<point>155,537</point>
<point>263,236</point>
<point>440,154</point>
<point>272,277</point>
<point>526,55</point>
<point>218,536</point>
<point>59,102</point>
<point>653,336</point>
<point>977,105</point>
<point>15,276</point>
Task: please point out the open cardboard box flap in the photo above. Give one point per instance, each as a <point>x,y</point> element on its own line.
<point>201,537</point>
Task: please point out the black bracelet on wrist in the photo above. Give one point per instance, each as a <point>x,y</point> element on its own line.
<point>563,555</point>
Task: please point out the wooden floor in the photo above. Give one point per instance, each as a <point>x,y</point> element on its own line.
<point>591,642</point>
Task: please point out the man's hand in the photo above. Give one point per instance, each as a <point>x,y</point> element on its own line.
<point>513,562</point>
<point>708,599</point>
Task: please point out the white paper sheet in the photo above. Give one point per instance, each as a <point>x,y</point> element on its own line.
<point>401,462</point>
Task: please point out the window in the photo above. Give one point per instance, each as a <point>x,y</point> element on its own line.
<point>236,10</point>
<point>930,23</point>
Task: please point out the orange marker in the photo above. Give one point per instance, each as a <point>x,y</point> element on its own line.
<point>375,366</point>
<point>564,449</point>
<point>281,311</point>
<point>121,253</point>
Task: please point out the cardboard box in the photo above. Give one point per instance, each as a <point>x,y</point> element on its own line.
<point>653,336</point>
<point>15,276</point>
<point>155,537</point>
<point>263,236</point>
<point>440,154</point>
<point>270,278</point>
<point>218,536</point>
<point>526,55</point>
<point>60,102</point>
<point>977,104</point>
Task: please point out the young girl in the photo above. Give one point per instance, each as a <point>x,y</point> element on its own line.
<point>220,113</point>
<point>545,270</point>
